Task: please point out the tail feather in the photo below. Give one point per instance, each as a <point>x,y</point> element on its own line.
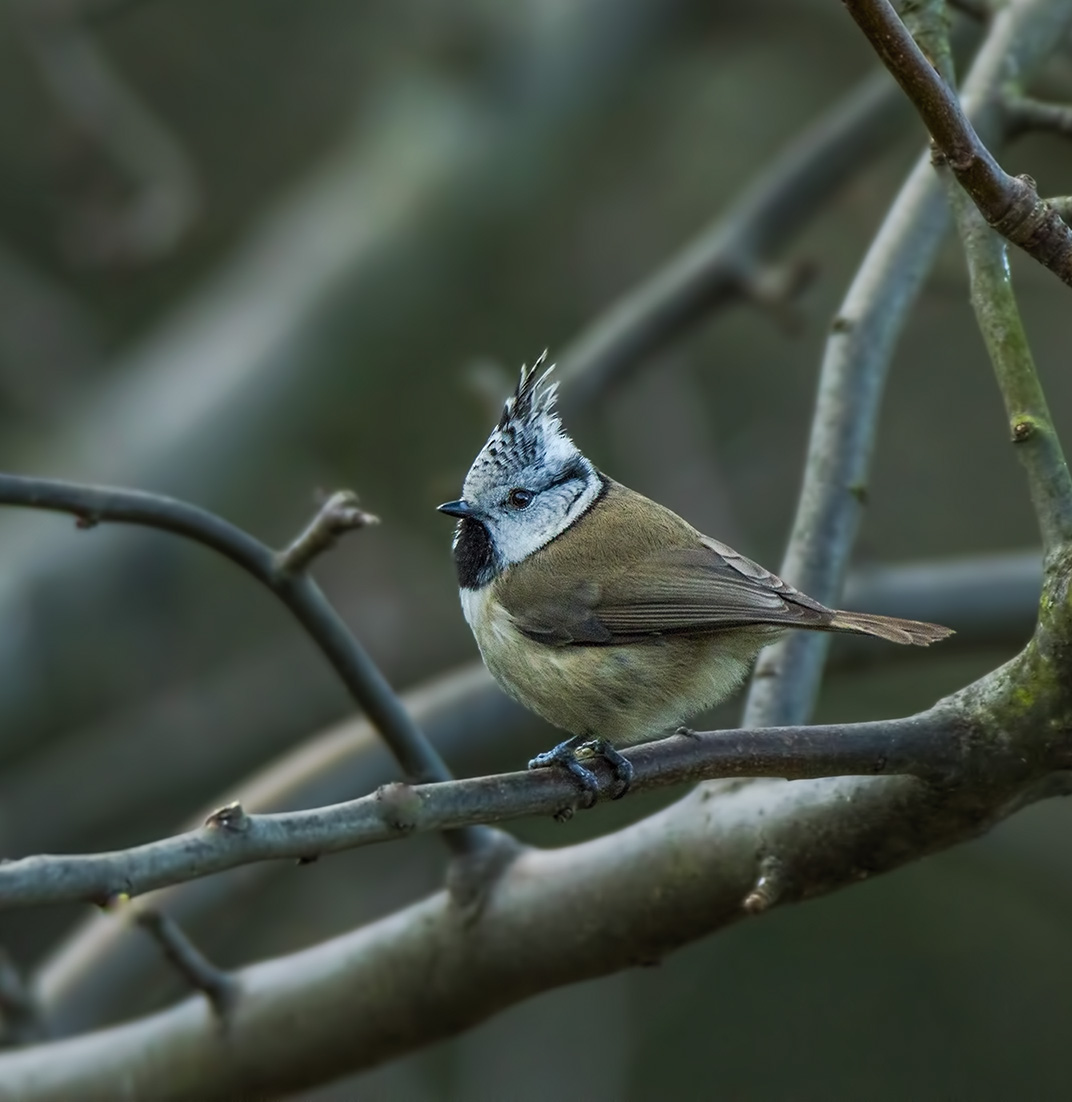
<point>890,628</point>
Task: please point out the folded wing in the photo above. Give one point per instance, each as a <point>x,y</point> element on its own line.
<point>697,590</point>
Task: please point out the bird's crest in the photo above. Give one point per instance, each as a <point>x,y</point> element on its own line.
<point>529,430</point>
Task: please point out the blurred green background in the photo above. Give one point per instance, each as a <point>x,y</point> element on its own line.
<point>255,249</point>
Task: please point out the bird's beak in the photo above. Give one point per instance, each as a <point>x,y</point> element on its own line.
<point>458,508</point>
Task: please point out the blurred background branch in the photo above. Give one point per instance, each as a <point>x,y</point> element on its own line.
<point>733,258</point>
<point>160,196</point>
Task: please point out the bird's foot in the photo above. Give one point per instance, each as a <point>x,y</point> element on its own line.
<point>687,732</point>
<point>565,754</point>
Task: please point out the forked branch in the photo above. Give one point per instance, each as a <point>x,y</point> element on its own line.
<point>1010,204</point>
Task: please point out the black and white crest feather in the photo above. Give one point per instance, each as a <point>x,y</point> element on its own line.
<point>529,430</point>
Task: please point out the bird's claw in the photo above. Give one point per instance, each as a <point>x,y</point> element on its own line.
<point>565,755</point>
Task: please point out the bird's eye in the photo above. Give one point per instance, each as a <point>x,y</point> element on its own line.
<point>520,499</point>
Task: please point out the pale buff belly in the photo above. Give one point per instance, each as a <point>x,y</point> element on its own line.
<point>626,693</point>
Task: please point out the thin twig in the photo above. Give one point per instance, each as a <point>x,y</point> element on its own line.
<point>1031,428</point>
<point>1010,204</point>
<point>729,259</point>
<point>218,986</point>
<point>340,513</point>
<point>927,746</point>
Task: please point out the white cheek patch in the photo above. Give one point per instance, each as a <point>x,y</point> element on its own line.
<point>518,535</point>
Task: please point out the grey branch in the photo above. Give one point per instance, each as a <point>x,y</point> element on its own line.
<point>925,746</point>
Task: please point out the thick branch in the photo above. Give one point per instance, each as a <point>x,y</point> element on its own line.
<point>555,917</point>
<point>925,746</point>
<point>1010,204</point>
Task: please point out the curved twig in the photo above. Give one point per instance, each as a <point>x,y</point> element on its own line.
<point>92,505</point>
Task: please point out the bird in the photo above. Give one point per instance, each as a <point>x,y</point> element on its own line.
<point>599,609</point>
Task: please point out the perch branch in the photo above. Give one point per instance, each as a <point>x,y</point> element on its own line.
<point>990,599</point>
<point>924,746</point>
<point>555,917</point>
